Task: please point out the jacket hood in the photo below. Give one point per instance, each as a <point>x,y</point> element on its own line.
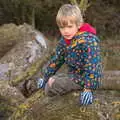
<point>87,28</point>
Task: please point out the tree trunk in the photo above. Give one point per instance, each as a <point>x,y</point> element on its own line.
<point>33,17</point>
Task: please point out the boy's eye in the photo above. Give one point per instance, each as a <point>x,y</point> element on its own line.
<point>61,27</point>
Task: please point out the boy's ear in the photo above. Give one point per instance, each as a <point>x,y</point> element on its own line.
<point>80,25</point>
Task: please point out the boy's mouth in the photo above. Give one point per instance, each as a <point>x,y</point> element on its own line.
<point>67,35</point>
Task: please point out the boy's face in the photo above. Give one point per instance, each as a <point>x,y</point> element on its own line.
<point>68,31</point>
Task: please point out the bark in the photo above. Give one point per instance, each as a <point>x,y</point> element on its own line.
<point>66,107</point>
<point>111,80</point>
<point>11,93</point>
<point>24,55</point>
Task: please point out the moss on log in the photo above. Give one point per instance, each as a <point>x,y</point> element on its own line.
<point>24,110</point>
<point>37,66</point>
<point>66,107</point>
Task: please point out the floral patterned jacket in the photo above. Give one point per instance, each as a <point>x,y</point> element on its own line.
<point>82,57</point>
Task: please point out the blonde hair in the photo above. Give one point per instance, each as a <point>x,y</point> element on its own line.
<point>69,12</point>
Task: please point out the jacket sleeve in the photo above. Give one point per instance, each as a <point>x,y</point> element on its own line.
<point>55,63</point>
<point>91,62</point>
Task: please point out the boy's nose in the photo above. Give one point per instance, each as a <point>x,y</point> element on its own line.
<point>66,30</point>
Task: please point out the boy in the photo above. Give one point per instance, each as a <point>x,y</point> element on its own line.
<point>79,49</point>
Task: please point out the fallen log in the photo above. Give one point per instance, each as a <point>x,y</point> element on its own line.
<point>111,80</point>
<point>24,54</point>
<point>10,92</point>
<point>66,107</point>
<point>10,98</point>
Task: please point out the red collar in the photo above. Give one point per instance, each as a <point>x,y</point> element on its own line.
<point>68,41</point>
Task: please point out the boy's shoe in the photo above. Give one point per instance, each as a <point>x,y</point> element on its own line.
<point>30,86</point>
<point>86,98</point>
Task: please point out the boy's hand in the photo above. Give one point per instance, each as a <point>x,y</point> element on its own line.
<point>86,97</point>
<point>51,81</point>
<point>40,83</point>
